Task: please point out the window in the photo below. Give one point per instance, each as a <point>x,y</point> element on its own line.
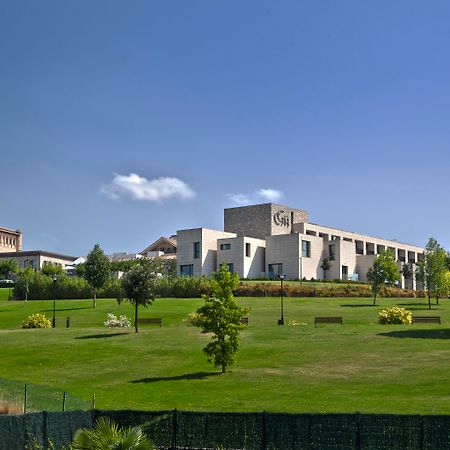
<point>196,250</point>
<point>275,270</point>
<point>225,246</point>
<point>306,249</point>
<point>187,270</point>
<point>247,249</point>
<point>230,267</point>
<point>345,272</point>
<point>332,252</point>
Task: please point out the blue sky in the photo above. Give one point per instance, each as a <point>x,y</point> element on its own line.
<point>124,121</point>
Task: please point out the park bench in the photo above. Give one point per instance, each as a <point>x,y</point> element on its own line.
<point>426,319</point>
<point>244,320</point>
<point>150,320</point>
<point>327,320</point>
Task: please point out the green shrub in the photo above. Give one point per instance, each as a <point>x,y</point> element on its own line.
<point>36,321</point>
<point>395,315</point>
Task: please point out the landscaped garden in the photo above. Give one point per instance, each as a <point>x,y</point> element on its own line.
<point>358,366</point>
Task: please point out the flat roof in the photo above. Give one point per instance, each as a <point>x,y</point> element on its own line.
<point>37,253</point>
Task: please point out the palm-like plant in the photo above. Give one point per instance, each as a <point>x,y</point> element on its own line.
<point>106,435</point>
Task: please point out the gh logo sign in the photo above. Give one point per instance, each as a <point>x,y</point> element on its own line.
<point>281,219</point>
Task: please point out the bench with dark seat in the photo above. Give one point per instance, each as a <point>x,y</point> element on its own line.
<point>150,320</point>
<point>426,319</point>
<point>244,320</point>
<point>327,320</point>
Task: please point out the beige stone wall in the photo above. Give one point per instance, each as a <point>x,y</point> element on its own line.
<point>284,249</point>
<point>206,264</point>
<point>10,241</point>
<point>245,266</point>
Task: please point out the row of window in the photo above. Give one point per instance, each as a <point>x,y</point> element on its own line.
<point>5,240</point>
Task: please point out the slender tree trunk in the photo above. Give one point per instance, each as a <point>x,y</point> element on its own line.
<point>95,298</point>
<point>429,299</point>
<point>374,291</point>
<point>136,317</point>
<point>223,368</point>
<point>437,300</point>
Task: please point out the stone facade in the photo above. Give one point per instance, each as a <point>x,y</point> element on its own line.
<point>37,258</point>
<point>269,239</point>
<point>10,240</point>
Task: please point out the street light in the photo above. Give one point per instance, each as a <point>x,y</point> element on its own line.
<point>281,277</point>
<point>55,279</point>
<point>9,285</point>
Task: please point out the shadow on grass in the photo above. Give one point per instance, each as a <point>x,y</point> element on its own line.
<point>419,334</point>
<point>101,336</point>
<point>68,309</point>
<point>185,376</point>
<point>359,305</point>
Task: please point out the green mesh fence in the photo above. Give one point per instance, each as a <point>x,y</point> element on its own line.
<point>264,431</point>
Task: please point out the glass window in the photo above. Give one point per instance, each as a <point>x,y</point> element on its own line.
<point>187,270</point>
<point>332,252</point>
<point>196,250</point>
<point>306,249</point>
<point>247,249</point>
<point>225,246</point>
<point>275,270</point>
<point>230,267</point>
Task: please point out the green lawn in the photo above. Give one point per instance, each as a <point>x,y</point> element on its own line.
<point>359,366</point>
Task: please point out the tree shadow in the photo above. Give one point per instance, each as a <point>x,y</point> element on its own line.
<point>185,376</point>
<point>101,336</point>
<point>67,309</point>
<point>359,305</point>
<point>419,334</point>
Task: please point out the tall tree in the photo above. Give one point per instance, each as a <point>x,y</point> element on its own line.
<point>432,271</point>
<point>325,266</point>
<point>97,270</point>
<point>139,286</point>
<point>221,316</point>
<point>384,272</point>
<point>7,267</point>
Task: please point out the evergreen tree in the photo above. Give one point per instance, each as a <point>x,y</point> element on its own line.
<point>97,270</point>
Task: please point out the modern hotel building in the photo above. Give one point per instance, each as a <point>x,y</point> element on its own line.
<point>269,239</point>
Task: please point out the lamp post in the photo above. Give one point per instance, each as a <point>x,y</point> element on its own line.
<point>9,285</point>
<point>55,279</point>
<point>281,277</point>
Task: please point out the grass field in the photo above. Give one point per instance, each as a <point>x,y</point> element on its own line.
<point>359,366</point>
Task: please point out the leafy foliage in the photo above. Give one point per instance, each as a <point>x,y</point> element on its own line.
<point>395,315</point>
<point>106,435</point>
<point>51,269</point>
<point>8,266</point>
<point>114,321</point>
<point>138,285</point>
<point>432,271</point>
<point>97,270</point>
<point>221,316</point>
<point>36,321</point>
<point>383,272</point>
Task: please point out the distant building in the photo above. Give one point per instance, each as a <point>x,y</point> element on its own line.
<point>164,248</point>
<point>10,240</point>
<point>37,258</point>
<point>269,239</point>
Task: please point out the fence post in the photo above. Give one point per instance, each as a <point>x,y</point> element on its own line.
<point>67,322</point>
<point>64,401</point>
<point>93,401</point>
<point>25,398</point>
<point>174,429</point>
<point>264,431</point>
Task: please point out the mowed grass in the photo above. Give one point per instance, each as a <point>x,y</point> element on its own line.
<point>358,366</point>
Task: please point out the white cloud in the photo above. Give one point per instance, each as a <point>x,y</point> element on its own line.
<point>271,195</point>
<point>261,195</point>
<point>139,188</point>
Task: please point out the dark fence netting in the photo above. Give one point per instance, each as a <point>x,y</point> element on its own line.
<point>251,431</point>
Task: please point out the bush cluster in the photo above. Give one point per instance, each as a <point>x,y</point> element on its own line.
<point>395,315</point>
<point>40,287</point>
<point>36,321</point>
<point>113,321</point>
<point>182,287</point>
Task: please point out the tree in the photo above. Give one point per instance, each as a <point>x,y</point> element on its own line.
<point>383,272</point>
<point>325,266</point>
<point>106,435</point>
<point>408,273</point>
<point>432,271</point>
<point>221,316</point>
<point>51,269</point>
<point>139,286</point>
<point>8,267</point>
<point>97,270</point>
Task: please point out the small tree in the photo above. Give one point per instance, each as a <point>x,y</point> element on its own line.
<point>408,273</point>
<point>221,316</point>
<point>325,266</point>
<point>97,270</point>
<point>432,270</point>
<point>139,286</point>
<point>7,267</point>
<point>383,272</point>
<point>51,269</point>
